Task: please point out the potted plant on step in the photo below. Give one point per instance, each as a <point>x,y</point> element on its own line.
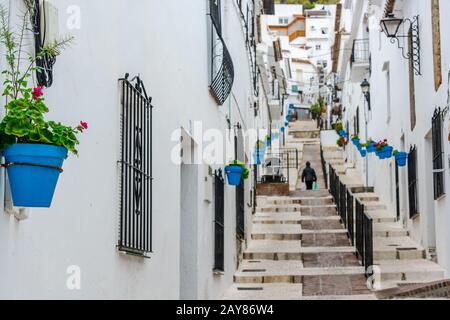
<point>34,148</point>
<point>236,172</point>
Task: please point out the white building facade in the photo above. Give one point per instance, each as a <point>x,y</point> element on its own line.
<point>409,91</point>
<point>170,47</point>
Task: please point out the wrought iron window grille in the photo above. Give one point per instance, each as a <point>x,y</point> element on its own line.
<point>222,69</point>
<point>44,65</point>
<point>412,183</point>
<point>438,153</point>
<point>219,222</point>
<point>135,227</point>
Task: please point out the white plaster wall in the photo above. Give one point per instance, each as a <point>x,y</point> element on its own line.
<point>166,43</point>
<point>431,227</point>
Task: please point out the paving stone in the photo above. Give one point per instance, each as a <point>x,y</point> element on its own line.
<point>329,260</point>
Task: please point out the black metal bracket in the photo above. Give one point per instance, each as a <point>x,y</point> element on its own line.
<point>27,164</point>
<point>414,39</point>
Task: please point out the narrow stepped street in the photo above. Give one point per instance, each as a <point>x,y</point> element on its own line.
<point>299,249</point>
<point>400,261</point>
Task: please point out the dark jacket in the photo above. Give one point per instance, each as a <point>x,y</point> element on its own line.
<point>309,174</point>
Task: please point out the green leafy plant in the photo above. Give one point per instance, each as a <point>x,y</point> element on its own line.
<point>395,152</point>
<point>338,127</point>
<point>24,120</point>
<point>245,171</point>
<point>260,144</point>
<point>355,137</point>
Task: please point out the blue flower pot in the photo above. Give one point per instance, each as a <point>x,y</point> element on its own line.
<point>342,133</point>
<point>363,153</point>
<point>371,148</point>
<point>356,142</point>
<point>34,178</point>
<point>283,129</point>
<point>401,159</point>
<point>387,151</point>
<point>286,123</point>
<point>234,175</point>
<point>258,157</point>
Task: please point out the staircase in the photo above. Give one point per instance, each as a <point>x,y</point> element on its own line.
<point>398,260</point>
<point>299,250</point>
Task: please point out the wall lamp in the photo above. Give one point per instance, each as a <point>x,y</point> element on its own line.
<point>365,87</point>
<point>391,27</point>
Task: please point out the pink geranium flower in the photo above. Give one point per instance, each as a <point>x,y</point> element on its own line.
<point>37,93</point>
<point>84,125</point>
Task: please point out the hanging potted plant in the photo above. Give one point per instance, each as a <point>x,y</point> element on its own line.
<point>34,149</point>
<point>356,140</point>
<point>401,158</point>
<point>341,142</point>
<point>384,151</point>
<point>236,172</point>
<point>268,140</point>
<point>338,127</point>
<point>371,148</point>
<point>363,152</point>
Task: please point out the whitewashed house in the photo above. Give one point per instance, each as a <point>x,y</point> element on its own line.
<point>198,65</point>
<point>408,101</point>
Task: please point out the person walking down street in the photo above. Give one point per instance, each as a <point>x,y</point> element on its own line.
<point>309,176</point>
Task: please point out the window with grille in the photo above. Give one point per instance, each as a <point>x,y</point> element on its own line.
<point>135,228</point>
<point>438,154</point>
<point>219,222</point>
<point>412,183</point>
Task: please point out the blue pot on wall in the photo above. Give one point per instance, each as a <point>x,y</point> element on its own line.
<point>258,157</point>
<point>363,153</point>
<point>283,129</point>
<point>401,159</point>
<point>356,142</point>
<point>33,172</point>
<point>234,175</point>
<point>371,148</point>
<point>387,151</point>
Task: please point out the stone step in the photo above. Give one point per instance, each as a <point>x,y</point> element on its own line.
<point>373,205</point>
<point>288,218</point>
<point>311,194</point>
<point>295,275</point>
<point>300,200</point>
<point>400,248</point>
<point>367,197</point>
<point>381,216</point>
<point>389,230</point>
<point>264,291</point>
<point>409,270</point>
<point>298,208</point>
<point>291,232</point>
<point>286,250</point>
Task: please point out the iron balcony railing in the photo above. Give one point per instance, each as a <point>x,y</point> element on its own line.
<point>353,216</point>
<point>222,69</point>
<point>364,237</point>
<point>135,229</point>
<point>360,52</point>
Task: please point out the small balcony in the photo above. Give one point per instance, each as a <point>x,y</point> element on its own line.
<point>360,59</point>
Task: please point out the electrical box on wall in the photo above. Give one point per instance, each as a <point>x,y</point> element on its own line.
<point>49,22</point>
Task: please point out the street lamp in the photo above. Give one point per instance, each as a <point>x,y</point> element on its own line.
<point>365,87</point>
<point>391,27</point>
